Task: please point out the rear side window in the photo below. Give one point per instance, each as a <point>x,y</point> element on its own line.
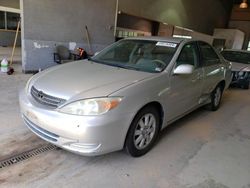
<point>208,54</point>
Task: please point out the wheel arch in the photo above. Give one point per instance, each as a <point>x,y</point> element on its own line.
<point>222,84</point>
<point>158,106</point>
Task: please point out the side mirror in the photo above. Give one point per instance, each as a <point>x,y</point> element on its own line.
<point>96,53</point>
<point>184,69</point>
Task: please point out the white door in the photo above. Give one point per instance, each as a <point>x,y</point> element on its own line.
<point>185,90</point>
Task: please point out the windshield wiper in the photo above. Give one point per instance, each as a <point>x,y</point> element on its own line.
<point>97,61</point>
<point>126,67</point>
<point>116,65</point>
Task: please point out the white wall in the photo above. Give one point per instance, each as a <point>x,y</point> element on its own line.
<point>234,38</point>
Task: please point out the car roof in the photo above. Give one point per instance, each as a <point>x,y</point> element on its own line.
<point>162,39</point>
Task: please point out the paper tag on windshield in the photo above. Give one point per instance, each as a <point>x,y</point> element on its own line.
<point>166,44</point>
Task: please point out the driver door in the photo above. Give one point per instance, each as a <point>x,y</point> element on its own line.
<point>185,89</point>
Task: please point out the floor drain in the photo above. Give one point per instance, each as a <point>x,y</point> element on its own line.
<point>26,155</point>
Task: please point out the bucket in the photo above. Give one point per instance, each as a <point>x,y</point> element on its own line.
<point>4,65</point>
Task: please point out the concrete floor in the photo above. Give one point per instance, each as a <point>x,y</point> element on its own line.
<point>203,150</point>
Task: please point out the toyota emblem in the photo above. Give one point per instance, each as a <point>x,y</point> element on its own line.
<point>40,94</point>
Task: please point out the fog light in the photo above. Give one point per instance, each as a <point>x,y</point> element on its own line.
<point>83,147</point>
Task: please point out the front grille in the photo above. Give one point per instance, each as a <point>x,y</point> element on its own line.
<point>46,99</point>
<point>40,131</point>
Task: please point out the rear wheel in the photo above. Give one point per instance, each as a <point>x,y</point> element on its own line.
<point>215,98</point>
<point>143,132</point>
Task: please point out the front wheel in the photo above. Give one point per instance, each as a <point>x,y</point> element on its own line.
<point>143,132</point>
<point>215,98</point>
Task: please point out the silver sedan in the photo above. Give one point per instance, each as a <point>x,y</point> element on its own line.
<point>123,96</point>
<point>240,60</point>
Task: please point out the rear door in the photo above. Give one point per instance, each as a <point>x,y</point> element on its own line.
<point>212,67</point>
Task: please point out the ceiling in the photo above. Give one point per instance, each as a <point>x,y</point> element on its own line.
<point>237,1</point>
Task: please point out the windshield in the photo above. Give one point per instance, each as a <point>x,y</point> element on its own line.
<point>237,57</point>
<point>140,55</point>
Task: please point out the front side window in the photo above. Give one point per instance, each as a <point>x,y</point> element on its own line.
<point>209,56</point>
<point>141,55</point>
<point>188,55</point>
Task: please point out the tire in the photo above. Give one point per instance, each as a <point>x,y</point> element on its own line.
<point>143,132</point>
<point>246,85</point>
<point>215,98</point>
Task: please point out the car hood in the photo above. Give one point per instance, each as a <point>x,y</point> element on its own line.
<point>84,79</point>
<point>240,67</point>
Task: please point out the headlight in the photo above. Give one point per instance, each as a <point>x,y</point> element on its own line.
<point>91,107</point>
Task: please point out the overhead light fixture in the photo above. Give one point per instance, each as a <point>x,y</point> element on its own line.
<point>244,4</point>
<point>182,36</point>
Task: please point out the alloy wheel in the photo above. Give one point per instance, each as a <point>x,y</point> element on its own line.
<point>144,131</point>
<point>217,96</point>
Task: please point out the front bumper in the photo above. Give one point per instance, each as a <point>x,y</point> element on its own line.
<point>85,135</point>
<point>240,79</point>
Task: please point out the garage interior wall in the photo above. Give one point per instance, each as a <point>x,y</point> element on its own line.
<point>133,22</point>
<point>201,16</point>
<point>7,37</point>
<point>10,3</point>
<point>234,38</point>
<point>46,24</point>
<point>240,19</point>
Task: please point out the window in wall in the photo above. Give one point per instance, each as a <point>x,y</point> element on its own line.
<point>248,48</point>
<point>123,33</point>
<point>12,20</point>
<point>9,20</point>
<point>2,20</point>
